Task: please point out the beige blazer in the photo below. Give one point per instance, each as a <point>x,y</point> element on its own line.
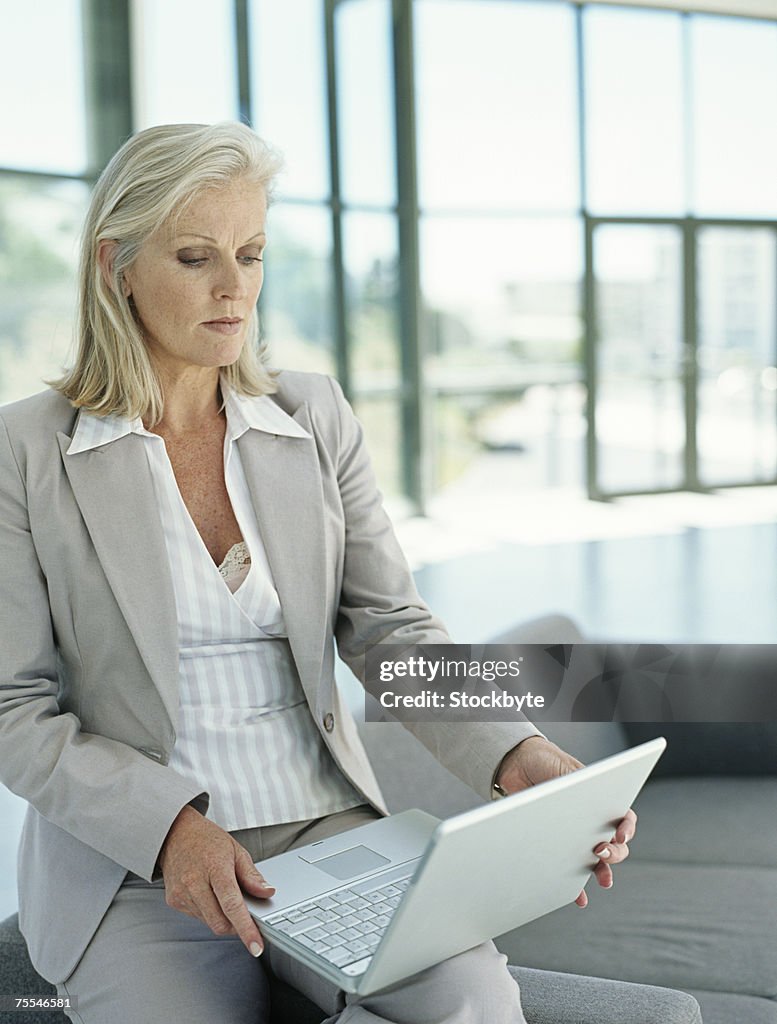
<point>88,640</point>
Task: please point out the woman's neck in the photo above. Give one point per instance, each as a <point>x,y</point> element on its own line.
<point>192,404</point>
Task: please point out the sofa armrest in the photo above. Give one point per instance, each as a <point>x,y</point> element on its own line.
<point>549,997</point>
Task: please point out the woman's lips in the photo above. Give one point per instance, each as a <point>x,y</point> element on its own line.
<point>227,325</point>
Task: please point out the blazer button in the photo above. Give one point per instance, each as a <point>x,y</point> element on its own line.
<point>329,721</point>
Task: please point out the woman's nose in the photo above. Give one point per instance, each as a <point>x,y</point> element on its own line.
<point>230,283</point>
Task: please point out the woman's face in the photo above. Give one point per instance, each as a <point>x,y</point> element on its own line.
<point>195,288</point>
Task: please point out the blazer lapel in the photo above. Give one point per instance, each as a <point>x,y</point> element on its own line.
<point>284,479</point>
<point>115,492</point>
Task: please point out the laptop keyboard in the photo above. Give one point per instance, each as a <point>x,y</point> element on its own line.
<point>344,927</point>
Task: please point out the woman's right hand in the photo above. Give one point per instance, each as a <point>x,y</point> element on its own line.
<point>205,870</point>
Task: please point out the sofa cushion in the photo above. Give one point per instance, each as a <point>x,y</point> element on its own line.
<point>18,976</point>
<point>687,926</point>
<point>711,748</point>
<point>723,1008</point>
<point>708,820</point>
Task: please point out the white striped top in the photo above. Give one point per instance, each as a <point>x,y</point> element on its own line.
<point>244,732</point>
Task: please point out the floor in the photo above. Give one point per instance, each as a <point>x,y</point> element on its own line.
<point>683,568</point>
<point>676,568</point>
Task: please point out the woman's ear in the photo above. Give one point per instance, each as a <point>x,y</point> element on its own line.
<point>106,253</point>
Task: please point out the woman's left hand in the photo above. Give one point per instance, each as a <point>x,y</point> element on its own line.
<point>538,760</point>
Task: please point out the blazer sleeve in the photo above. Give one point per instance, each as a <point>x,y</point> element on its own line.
<point>379,602</point>
<point>102,791</point>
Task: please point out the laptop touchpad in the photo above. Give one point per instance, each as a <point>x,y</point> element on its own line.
<point>356,861</point>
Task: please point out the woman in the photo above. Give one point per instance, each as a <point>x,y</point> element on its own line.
<point>182,535</point>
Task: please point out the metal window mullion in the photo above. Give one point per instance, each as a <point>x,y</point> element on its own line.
<point>409,263</point>
<point>34,174</point>
<point>243,53</point>
<point>590,345</point>
<point>339,300</point>
<point>774,363</point>
<point>589,282</point>
<point>702,221</point>
<point>690,353</point>
<point>107,78</point>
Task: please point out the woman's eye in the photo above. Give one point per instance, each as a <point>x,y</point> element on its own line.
<point>199,261</point>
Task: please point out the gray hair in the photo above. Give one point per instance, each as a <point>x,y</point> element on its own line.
<point>148,183</point>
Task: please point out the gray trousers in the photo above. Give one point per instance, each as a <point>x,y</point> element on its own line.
<point>149,963</point>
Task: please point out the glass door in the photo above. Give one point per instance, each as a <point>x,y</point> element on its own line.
<point>682,360</point>
<point>737,376</point>
<point>639,366</point>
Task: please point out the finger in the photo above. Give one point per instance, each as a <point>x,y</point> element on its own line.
<point>618,853</point>
<point>612,853</point>
<point>233,907</point>
<point>603,874</point>
<point>627,827</point>
<point>207,908</point>
<point>250,878</point>
<point>582,899</point>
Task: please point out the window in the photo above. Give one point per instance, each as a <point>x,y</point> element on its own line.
<point>43,153</point>
<point>43,115</point>
<point>185,65</point>
<point>583,213</point>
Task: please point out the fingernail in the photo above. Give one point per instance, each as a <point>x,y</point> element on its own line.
<point>255,949</point>
<point>604,853</point>
<point>266,885</point>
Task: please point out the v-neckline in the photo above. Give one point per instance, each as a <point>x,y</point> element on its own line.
<point>201,541</point>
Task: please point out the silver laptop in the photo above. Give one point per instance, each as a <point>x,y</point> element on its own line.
<point>377,904</point>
